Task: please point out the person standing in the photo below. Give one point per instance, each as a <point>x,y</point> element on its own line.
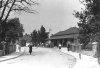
<point>30,48</point>
<point>59,46</point>
<point>68,45</point>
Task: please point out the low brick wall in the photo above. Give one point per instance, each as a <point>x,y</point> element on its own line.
<point>1,52</point>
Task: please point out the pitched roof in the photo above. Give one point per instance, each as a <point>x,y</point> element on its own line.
<point>69,33</point>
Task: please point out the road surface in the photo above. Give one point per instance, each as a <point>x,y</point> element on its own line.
<point>41,58</point>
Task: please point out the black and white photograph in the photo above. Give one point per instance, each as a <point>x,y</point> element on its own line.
<point>50,33</point>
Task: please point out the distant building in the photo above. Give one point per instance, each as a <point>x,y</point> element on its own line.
<point>63,37</point>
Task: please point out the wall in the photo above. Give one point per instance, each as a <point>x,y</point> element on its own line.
<point>1,52</point>
<point>12,48</point>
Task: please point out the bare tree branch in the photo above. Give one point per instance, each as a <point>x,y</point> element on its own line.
<point>4,9</point>
<point>16,5</point>
<point>9,10</point>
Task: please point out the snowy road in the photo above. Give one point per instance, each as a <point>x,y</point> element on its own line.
<point>41,58</point>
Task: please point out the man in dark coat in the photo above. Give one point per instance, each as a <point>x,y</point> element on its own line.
<point>30,48</point>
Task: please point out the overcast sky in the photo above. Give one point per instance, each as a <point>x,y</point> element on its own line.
<point>53,14</point>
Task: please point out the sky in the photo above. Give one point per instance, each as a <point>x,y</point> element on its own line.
<point>56,15</point>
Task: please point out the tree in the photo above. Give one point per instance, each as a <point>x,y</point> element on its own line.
<point>88,19</point>
<point>43,34</point>
<point>89,22</point>
<point>14,30</point>
<point>39,36</point>
<point>23,42</point>
<point>7,6</point>
<point>11,31</point>
<point>34,36</point>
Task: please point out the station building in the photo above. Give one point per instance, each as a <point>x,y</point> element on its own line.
<point>63,37</point>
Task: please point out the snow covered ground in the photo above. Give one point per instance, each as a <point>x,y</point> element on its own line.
<point>84,62</point>
<point>50,58</point>
<point>41,58</point>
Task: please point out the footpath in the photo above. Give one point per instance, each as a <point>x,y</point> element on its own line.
<point>12,55</point>
<point>84,62</point>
